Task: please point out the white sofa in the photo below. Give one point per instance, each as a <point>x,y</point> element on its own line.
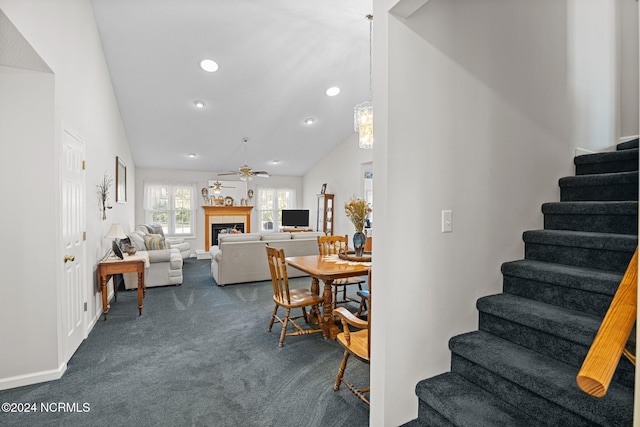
<point>241,258</point>
<point>165,265</point>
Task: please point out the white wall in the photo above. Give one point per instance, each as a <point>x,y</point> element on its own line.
<point>64,35</point>
<point>28,295</point>
<point>629,71</point>
<point>201,179</point>
<point>342,171</point>
<point>479,121</point>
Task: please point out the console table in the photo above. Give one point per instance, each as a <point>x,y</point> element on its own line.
<point>296,230</point>
<point>130,264</point>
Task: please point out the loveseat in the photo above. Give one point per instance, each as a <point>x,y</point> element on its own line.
<point>241,258</point>
<point>165,264</point>
<point>171,242</point>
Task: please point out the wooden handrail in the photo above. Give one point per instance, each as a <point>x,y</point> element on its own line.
<point>601,361</point>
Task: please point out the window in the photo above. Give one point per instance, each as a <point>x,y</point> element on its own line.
<point>271,202</point>
<point>172,206</point>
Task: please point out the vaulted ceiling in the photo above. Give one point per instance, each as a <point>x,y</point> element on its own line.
<point>276,59</point>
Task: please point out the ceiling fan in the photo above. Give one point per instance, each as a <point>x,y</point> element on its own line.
<point>216,187</point>
<point>246,172</point>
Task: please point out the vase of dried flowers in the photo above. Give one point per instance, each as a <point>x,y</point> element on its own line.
<point>358,212</point>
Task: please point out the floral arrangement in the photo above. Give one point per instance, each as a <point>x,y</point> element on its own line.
<point>358,211</point>
<point>103,194</point>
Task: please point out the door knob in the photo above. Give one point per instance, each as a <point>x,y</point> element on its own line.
<point>69,258</point>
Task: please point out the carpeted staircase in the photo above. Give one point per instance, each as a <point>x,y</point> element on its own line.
<point>519,368</point>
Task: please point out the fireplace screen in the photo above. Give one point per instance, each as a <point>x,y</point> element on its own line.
<point>228,227</point>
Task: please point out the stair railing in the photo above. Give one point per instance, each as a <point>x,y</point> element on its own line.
<point>602,359</point>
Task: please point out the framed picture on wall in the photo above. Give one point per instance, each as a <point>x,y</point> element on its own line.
<point>121,181</point>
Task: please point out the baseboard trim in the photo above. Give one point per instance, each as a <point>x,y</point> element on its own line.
<point>628,138</point>
<point>33,378</point>
<point>582,152</point>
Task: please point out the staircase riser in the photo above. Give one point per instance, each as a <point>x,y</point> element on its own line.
<point>599,193</point>
<point>429,417</point>
<point>550,345</point>
<point>562,296</point>
<point>607,260</point>
<point>628,145</point>
<point>548,413</point>
<point>617,224</point>
<point>607,167</point>
<point>547,344</point>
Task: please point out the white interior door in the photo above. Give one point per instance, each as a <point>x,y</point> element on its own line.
<point>73,241</point>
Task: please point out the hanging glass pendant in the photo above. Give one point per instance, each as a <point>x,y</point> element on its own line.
<point>363,124</point>
<point>363,112</point>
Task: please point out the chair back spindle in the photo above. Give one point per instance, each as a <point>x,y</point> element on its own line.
<point>333,245</point>
<point>278,268</point>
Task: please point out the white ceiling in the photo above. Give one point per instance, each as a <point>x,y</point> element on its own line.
<point>276,58</point>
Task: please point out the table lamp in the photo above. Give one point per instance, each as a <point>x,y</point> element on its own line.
<point>116,233</point>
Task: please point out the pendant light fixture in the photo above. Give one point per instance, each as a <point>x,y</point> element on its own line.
<point>363,112</point>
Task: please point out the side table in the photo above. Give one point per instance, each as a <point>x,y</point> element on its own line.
<point>130,264</point>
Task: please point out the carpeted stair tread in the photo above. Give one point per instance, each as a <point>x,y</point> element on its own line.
<point>592,280</point>
<point>599,179</point>
<point>605,251</point>
<point>583,239</point>
<point>465,404</point>
<point>625,207</point>
<point>550,379</point>
<point>607,156</point>
<point>560,333</point>
<point>607,162</point>
<point>601,186</point>
<point>570,325</point>
<point>628,145</point>
<point>619,217</point>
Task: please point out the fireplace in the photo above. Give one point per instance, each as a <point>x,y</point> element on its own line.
<point>223,228</point>
<point>223,217</point>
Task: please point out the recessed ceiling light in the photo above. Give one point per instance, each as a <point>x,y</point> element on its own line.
<point>199,104</point>
<point>309,120</point>
<point>209,65</point>
<point>192,155</point>
<point>275,162</point>
<point>332,91</point>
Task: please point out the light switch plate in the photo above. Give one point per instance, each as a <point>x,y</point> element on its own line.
<point>447,221</point>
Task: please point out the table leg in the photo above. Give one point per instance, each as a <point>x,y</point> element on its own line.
<point>141,291</point>
<point>315,289</point>
<point>315,286</point>
<point>144,285</point>
<point>103,289</point>
<point>332,329</point>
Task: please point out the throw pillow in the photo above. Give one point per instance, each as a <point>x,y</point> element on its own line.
<point>155,229</point>
<point>137,240</point>
<point>154,242</point>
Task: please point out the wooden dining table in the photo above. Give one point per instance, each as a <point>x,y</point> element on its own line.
<point>319,268</point>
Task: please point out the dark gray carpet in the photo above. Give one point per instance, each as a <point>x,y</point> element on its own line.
<point>200,355</point>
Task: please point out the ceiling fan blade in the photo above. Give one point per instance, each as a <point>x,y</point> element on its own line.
<point>261,174</point>
<point>229,173</point>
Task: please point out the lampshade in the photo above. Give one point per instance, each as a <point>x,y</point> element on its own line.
<point>116,232</point>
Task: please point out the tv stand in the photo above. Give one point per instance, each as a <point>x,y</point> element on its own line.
<point>296,229</point>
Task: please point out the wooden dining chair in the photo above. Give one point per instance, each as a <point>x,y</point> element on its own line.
<point>291,298</point>
<point>334,245</point>
<point>355,343</point>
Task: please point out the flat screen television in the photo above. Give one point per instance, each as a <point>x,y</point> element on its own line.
<point>295,217</point>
